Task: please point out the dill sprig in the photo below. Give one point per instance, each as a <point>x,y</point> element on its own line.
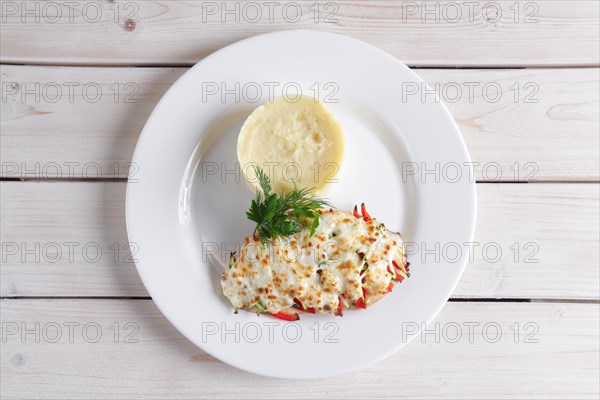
<point>283,214</point>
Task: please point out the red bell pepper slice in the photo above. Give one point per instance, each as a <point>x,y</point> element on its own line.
<point>340,310</point>
<point>399,269</point>
<point>394,273</point>
<point>364,212</point>
<point>390,286</point>
<point>299,305</point>
<point>360,303</point>
<point>286,316</point>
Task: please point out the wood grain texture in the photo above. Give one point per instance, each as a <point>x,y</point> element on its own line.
<point>544,125</point>
<point>68,239</point>
<point>539,33</point>
<point>554,357</point>
<point>79,134</point>
<point>547,235</point>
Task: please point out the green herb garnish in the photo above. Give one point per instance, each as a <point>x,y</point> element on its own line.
<point>283,214</point>
<point>259,307</point>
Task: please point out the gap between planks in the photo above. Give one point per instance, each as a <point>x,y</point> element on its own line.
<point>125,180</point>
<point>450,300</point>
<point>412,66</point>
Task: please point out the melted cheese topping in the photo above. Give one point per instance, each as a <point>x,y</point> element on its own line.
<point>345,255</point>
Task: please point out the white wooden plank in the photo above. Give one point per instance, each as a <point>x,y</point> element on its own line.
<point>555,229</point>
<point>445,33</point>
<point>79,134</point>
<point>554,226</point>
<point>544,125</point>
<point>559,360</point>
<point>61,239</point>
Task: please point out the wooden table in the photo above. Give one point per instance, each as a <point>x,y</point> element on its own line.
<point>79,80</point>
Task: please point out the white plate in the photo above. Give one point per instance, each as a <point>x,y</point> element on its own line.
<point>178,213</point>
